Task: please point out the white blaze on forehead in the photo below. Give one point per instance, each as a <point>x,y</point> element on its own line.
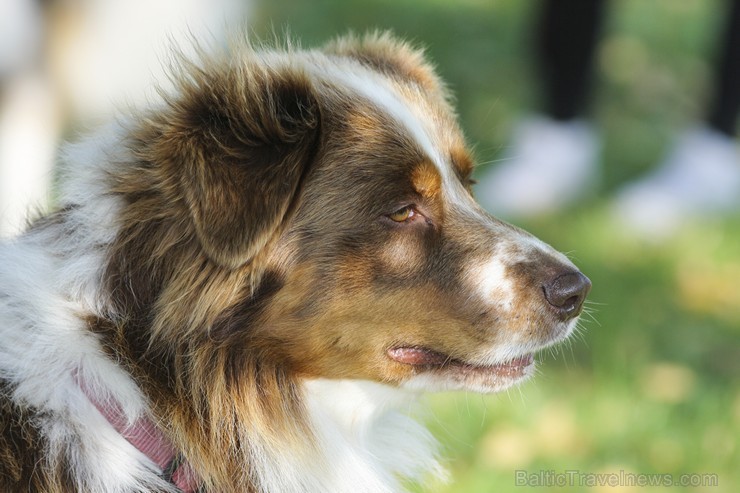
<point>410,115</point>
<point>377,89</point>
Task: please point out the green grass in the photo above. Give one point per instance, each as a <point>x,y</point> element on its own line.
<point>651,383</point>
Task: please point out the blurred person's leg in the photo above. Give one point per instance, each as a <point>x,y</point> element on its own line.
<point>29,126</point>
<point>21,35</point>
<point>567,37</point>
<point>726,102</point>
<point>100,55</point>
<point>552,160</point>
<point>113,54</point>
<point>28,116</point>
<point>701,174</point>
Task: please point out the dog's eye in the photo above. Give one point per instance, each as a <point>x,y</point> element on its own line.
<point>402,215</point>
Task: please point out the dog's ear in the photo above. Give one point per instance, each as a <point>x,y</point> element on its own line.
<point>246,136</point>
<point>383,52</point>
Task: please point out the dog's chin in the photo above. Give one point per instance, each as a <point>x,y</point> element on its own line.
<point>436,372</point>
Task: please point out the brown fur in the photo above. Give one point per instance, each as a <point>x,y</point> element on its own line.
<point>21,451</point>
<point>218,178</point>
<point>216,182</point>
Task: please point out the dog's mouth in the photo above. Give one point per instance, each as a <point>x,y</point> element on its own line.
<point>443,372</point>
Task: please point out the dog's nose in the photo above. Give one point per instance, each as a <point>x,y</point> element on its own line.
<point>566,293</point>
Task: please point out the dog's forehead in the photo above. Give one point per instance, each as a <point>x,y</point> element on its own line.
<point>421,119</point>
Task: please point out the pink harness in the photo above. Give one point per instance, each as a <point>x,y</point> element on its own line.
<point>151,442</point>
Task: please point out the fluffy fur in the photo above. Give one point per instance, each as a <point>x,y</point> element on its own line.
<point>265,265</point>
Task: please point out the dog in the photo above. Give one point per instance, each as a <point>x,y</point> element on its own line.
<point>244,286</point>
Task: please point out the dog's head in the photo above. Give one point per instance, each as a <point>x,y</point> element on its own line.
<point>328,196</point>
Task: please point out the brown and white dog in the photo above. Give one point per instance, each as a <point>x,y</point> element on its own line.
<point>242,287</point>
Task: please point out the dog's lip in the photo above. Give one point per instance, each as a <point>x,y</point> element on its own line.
<point>428,359</point>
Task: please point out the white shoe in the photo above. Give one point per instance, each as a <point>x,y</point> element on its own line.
<point>700,177</point>
<point>551,165</point>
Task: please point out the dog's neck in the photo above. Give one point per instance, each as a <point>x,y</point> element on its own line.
<point>144,435</point>
<point>366,442</point>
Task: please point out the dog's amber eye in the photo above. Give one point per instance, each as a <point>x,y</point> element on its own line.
<point>402,215</point>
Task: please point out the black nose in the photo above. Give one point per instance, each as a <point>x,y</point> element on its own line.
<point>566,293</point>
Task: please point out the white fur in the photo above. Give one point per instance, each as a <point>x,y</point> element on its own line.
<point>365,443</point>
<point>489,279</point>
<point>429,382</point>
<point>518,345</point>
<point>50,277</point>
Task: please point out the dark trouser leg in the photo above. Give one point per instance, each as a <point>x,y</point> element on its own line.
<point>567,37</point>
<point>726,96</point>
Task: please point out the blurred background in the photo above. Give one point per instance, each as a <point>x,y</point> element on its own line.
<point>650,385</point>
